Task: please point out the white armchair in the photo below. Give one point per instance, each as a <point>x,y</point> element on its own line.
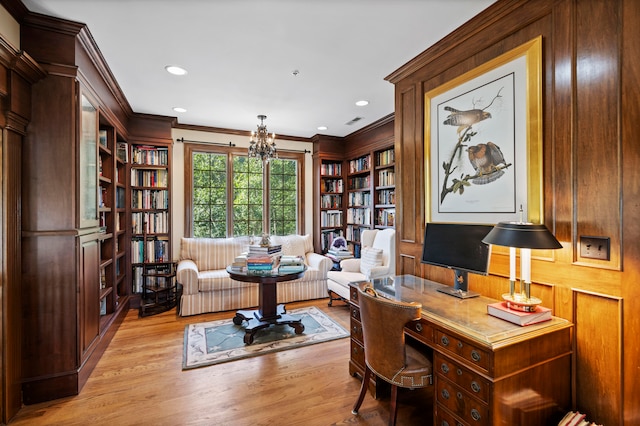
<point>377,260</point>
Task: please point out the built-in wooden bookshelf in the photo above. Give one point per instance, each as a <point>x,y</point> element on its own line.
<point>331,202</point>
<point>151,261</point>
<point>112,212</point>
<point>385,189</point>
<point>359,199</point>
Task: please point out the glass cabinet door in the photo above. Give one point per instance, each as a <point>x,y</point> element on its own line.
<point>88,153</point>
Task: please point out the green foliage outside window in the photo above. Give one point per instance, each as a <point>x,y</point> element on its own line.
<point>211,195</point>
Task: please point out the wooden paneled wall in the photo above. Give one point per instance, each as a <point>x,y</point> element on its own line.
<point>590,88</point>
<point>17,73</point>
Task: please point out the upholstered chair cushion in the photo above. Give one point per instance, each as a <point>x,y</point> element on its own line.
<point>370,258</point>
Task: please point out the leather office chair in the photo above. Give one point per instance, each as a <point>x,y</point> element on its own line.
<point>386,353</point>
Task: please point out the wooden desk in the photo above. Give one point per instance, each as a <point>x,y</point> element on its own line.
<point>487,371</point>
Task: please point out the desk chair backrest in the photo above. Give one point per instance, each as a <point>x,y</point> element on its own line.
<point>383,322</point>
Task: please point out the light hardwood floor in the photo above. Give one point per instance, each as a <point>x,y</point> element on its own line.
<point>139,381</point>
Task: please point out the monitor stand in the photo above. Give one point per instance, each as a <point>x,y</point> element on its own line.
<point>461,287</point>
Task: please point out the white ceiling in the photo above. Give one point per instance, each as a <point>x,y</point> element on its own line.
<point>241,55</point>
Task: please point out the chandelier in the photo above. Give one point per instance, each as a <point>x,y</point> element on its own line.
<point>261,144</point>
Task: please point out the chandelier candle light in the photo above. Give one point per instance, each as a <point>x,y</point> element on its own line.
<point>263,146</point>
<point>525,236</point>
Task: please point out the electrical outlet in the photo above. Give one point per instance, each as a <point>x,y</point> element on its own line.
<point>594,247</point>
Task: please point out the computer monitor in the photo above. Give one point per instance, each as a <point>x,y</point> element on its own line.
<point>459,247</point>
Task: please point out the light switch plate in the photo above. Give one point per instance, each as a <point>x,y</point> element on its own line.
<point>594,247</point>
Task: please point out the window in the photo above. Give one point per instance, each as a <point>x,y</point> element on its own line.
<point>224,192</point>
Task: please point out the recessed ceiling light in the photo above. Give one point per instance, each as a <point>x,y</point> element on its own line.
<point>179,109</point>
<point>175,70</point>
<point>362,103</point>
<point>322,127</point>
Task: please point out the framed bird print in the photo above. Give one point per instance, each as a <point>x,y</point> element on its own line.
<point>483,142</point>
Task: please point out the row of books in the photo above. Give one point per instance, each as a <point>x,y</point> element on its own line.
<point>149,250</point>
<point>359,216</point>
<point>386,157</point>
<point>362,182</point>
<point>331,201</point>
<point>386,178</point>
<point>333,185</point>
<point>150,222</point>
<point>150,155</point>
<point>331,169</point>
<point>149,199</point>
<point>359,198</point>
<point>152,178</point>
<point>330,218</point>
<point>359,164</point>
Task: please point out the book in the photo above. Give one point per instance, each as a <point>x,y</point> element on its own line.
<point>499,310</point>
<point>286,269</point>
<point>265,249</point>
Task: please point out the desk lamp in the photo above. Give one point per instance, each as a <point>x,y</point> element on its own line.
<point>525,236</point>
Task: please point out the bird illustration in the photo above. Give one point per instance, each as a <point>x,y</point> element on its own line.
<point>485,159</point>
<point>464,119</point>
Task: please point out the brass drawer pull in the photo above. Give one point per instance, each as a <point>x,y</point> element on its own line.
<point>445,368</point>
<point>444,423</point>
<point>475,387</point>
<point>444,340</point>
<point>419,327</point>
<point>475,415</point>
<point>445,394</point>
<point>475,355</point>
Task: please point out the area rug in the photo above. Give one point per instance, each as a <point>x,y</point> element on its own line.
<point>215,342</point>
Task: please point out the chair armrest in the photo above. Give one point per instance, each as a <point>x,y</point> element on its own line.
<point>350,265</point>
<point>187,275</point>
<point>319,262</point>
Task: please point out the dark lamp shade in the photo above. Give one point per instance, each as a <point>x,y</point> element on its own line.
<point>522,235</point>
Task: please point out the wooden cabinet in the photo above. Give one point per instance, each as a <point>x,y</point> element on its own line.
<point>69,246</point>
<point>487,371</point>
<point>149,210</point>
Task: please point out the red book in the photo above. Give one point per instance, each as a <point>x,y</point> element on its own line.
<point>500,310</point>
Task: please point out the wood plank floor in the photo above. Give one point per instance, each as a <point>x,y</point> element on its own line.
<point>139,381</point>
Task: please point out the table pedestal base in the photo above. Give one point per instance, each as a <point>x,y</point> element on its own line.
<point>257,321</point>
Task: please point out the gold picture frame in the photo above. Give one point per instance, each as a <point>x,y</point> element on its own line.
<point>483,142</point>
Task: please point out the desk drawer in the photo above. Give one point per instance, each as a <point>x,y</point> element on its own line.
<point>353,292</point>
<point>455,400</point>
<point>445,418</point>
<point>355,312</point>
<point>466,379</point>
<point>357,353</point>
<point>356,330</point>
<point>421,330</point>
<point>474,355</point>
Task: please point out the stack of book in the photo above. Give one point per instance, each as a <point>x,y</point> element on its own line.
<point>291,264</point>
<point>240,263</point>
<point>338,254</point>
<point>262,259</point>
<point>500,310</point>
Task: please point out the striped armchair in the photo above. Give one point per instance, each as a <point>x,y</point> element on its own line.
<point>207,286</point>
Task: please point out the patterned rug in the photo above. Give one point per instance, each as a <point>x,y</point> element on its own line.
<point>215,342</point>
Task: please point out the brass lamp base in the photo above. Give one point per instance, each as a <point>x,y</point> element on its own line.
<point>520,302</point>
